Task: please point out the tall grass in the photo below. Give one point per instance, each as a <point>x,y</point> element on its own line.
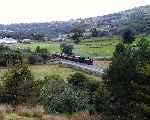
<point>38,113</point>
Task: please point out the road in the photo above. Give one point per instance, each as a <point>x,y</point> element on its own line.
<point>92,68</point>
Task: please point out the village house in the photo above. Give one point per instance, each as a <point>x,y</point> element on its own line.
<point>8,41</point>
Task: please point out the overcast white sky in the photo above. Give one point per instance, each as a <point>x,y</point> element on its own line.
<point>26,11</point>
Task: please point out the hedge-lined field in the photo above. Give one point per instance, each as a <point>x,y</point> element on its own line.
<point>95,47</point>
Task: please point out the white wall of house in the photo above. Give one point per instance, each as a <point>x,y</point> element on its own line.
<point>8,41</point>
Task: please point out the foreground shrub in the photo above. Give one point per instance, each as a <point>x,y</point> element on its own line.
<point>78,81</point>
<point>57,96</point>
<point>18,85</point>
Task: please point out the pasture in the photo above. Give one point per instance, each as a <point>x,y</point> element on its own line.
<point>40,71</point>
<point>95,47</point>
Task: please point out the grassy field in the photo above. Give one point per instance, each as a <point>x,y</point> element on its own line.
<point>40,71</point>
<point>95,47</point>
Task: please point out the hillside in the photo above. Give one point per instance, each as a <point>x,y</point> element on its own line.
<point>137,17</point>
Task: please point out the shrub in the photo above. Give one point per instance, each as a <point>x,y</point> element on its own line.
<point>78,80</point>
<point>9,56</point>
<point>35,59</point>
<point>128,35</point>
<point>57,96</point>
<point>66,48</point>
<point>18,85</point>
<point>42,52</point>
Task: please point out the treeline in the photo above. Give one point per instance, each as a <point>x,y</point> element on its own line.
<point>24,35</point>
<point>137,18</point>
<point>10,57</point>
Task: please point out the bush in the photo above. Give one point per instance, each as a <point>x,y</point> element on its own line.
<point>9,56</point>
<point>81,83</point>
<point>42,52</point>
<point>35,59</point>
<point>66,48</point>
<point>57,96</point>
<point>18,85</point>
<point>78,80</point>
<point>128,35</point>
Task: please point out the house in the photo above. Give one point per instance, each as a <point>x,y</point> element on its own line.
<point>8,41</point>
<point>28,41</point>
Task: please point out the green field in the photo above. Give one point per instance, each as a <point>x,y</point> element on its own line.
<point>95,47</point>
<point>40,71</point>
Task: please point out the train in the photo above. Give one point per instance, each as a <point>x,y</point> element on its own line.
<point>72,57</point>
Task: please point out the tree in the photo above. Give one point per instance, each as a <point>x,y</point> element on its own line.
<point>35,59</point>
<point>94,32</point>
<point>77,33</point>
<point>66,48</point>
<point>120,76</point>
<point>42,52</point>
<point>128,35</point>
<point>142,84</point>
<point>125,92</point>
<point>18,85</point>
<point>9,57</point>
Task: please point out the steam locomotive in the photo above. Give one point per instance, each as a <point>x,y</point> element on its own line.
<point>72,57</point>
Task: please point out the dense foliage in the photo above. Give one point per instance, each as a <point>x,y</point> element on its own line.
<point>58,96</point>
<point>66,48</point>
<point>9,56</point>
<point>128,35</point>
<point>18,85</point>
<point>125,92</point>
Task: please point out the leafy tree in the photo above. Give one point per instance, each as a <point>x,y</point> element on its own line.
<point>120,76</point>
<point>128,35</point>
<point>35,59</point>
<point>125,92</point>
<point>94,32</point>
<point>43,52</point>
<point>77,33</point>
<point>66,48</point>
<point>9,56</point>
<point>142,84</point>
<point>18,85</point>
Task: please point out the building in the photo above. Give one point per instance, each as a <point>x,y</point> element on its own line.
<point>8,41</point>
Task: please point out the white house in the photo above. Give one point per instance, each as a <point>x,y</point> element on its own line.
<point>8,41</point>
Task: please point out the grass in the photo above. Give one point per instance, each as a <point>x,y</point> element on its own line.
<point>8,112</point>
<point>40,71</point>
<point>94,47</point>
<point>51,46</point>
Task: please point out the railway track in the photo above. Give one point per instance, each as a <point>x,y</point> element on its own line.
<point>92,68</point>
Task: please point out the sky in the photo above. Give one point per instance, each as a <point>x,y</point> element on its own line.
<point>28,11</point>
